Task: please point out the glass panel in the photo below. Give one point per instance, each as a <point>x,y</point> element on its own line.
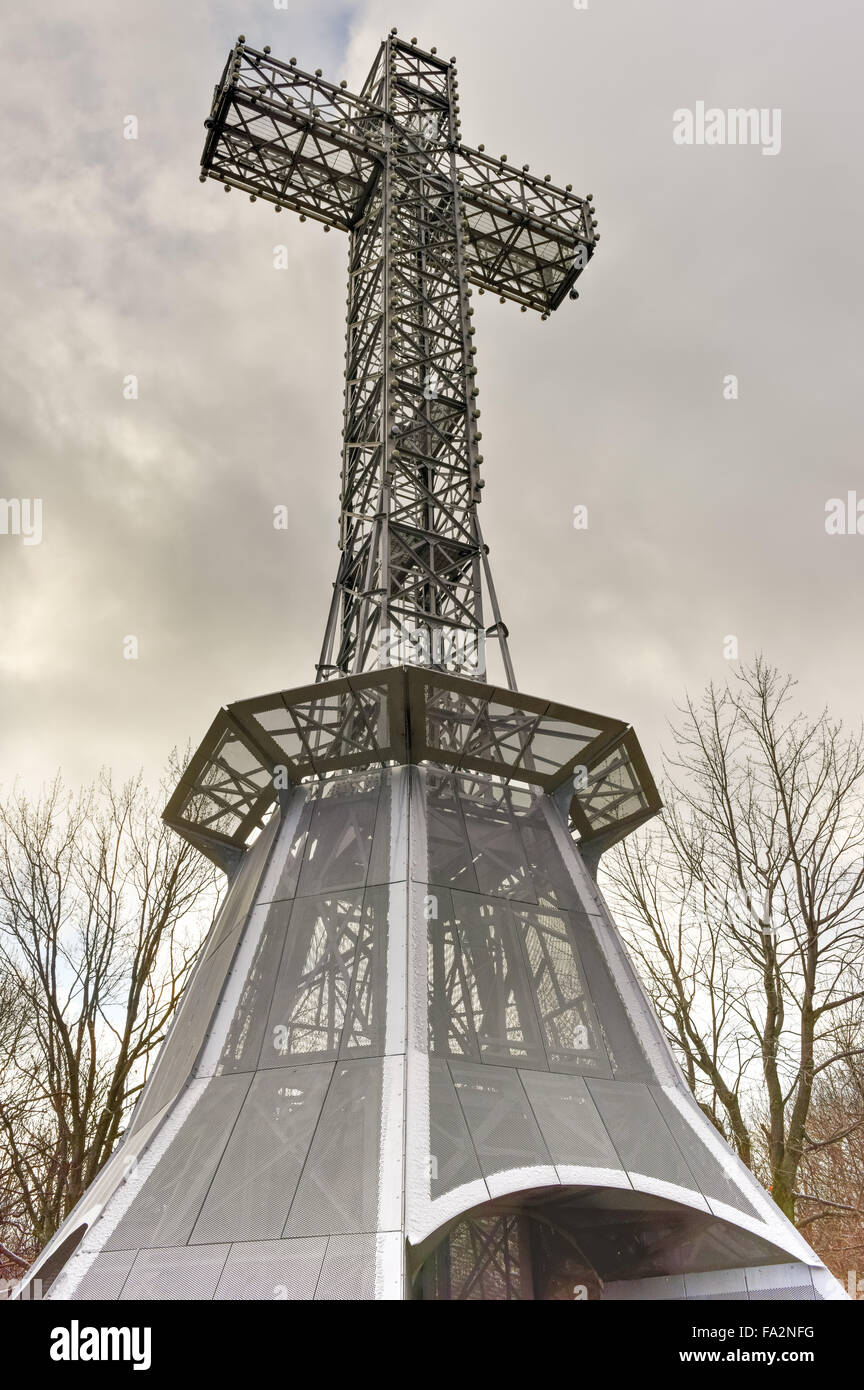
<point>450,716</point>
<point>556,741</point>
<point>613,792</point>
<point>502,734</point>
<point>338,726</point>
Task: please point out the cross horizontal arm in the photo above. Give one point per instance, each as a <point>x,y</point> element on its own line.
<point>292,138</point>
<point>526,240</point>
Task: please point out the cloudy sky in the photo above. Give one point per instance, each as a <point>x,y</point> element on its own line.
<point>706,515</point>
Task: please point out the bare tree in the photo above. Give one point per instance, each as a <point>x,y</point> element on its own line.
<point>101,913</point>
<point>744,908</point>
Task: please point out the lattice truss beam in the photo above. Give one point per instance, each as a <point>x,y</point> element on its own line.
<point>426,216</point>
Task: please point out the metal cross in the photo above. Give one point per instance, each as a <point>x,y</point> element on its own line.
<point>427,217</point>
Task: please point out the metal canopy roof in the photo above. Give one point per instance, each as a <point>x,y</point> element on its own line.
<point>407,714</point>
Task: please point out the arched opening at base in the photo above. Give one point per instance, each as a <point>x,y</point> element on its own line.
<point>572,1243</point>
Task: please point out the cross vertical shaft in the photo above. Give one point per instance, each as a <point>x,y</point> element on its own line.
<point>426,217</point>
<point>409,580</point>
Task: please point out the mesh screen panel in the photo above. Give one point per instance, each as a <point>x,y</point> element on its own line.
<point>289,874</point>
<point>329,992</point>
<point>338,1192</point>
<point>639,1132</point>
<point>705,1167</point>
<point>789,1294</point>
<point>453,1160</point>
<point>496,849</point>
<point>185,1272</point>
<point>280,1270</point>
<point>340,836</point>
<point>242,891</point>
<point>251,1192</point>
<point>167,1207</point>
<point>569,1120</point>
<point>245,1039</point>
<point>504,1019</point>
<point>105,1277</point>
<point>188,1031</point>
<point>500,1120</point>
<point>348,1273</point>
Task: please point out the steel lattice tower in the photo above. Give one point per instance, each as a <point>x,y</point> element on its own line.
<point>414,1058</point>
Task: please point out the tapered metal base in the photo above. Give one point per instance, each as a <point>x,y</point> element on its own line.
<point>415,1061</point>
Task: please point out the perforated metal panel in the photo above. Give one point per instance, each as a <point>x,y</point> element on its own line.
<point>349,1269</point>
<point>252,1189</point>
<point>166,1209</point>
<point>106,1275</point>
<point>245,1038</point>
<point>452,1157</point>
<point>241,893</point>
<point>287,1178</point>
<point>275,1270</point>
<point>338,1192</point>
<point>187,1272</point>
<point>706,1169</point>
<point>569,1120</point>
<point>283,883</point>
<point>640,1134</point>
<point>188,1032</point>
<point>340,836</point>
<point>500,1120</point>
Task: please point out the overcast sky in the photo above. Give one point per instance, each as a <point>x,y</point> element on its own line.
<point>706,515</point>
